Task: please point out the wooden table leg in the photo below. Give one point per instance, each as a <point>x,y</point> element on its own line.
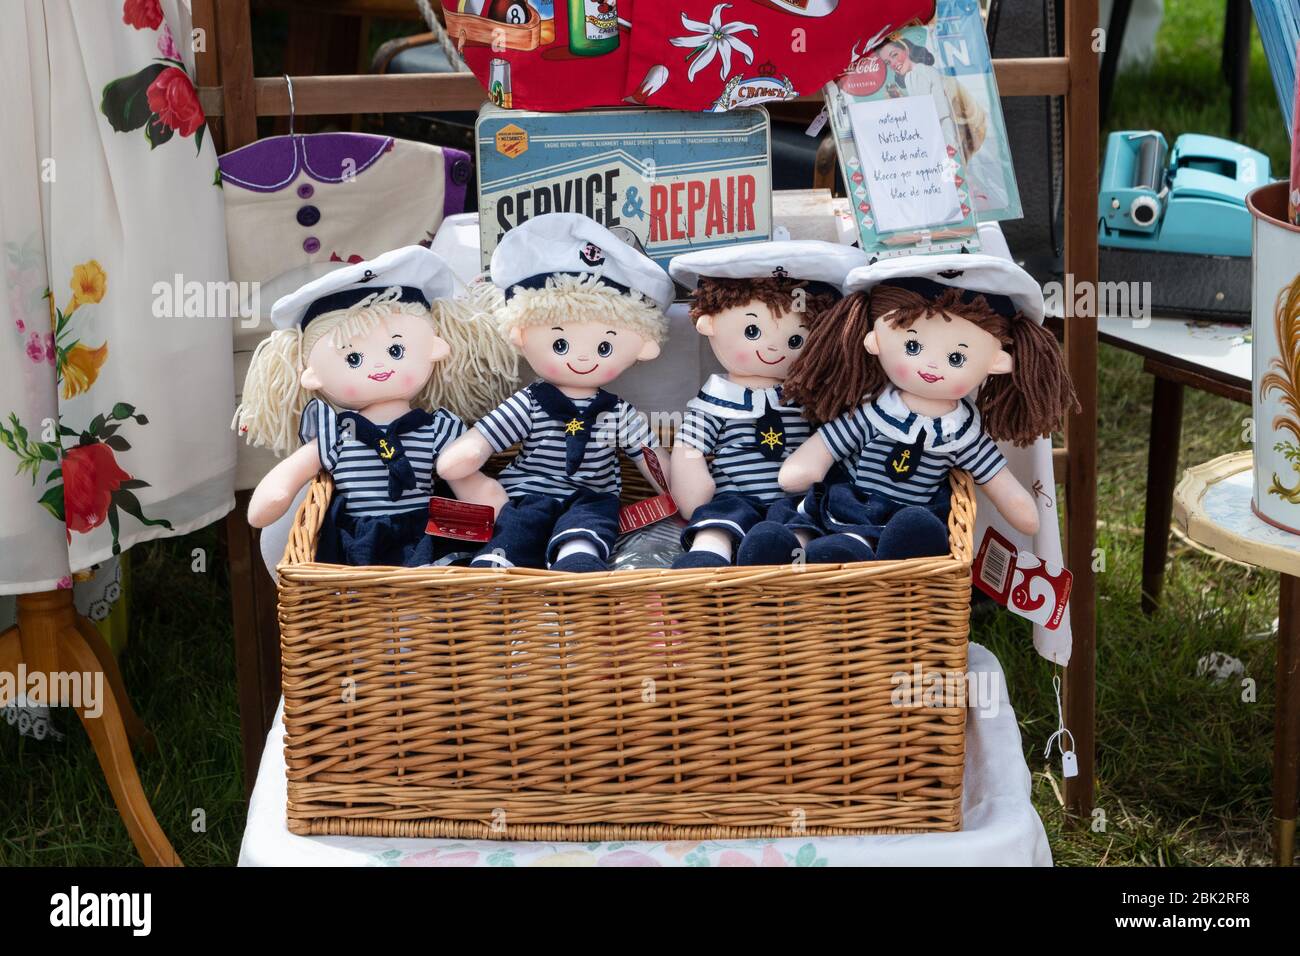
<point>1286,728</point>
<point>257,637</point>
<point>1162,472</point>
<point>49,639</point>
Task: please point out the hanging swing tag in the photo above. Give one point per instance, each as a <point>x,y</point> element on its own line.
<point>1022,582</point>
<point>460,520</point>
<point>819,122</point>
<point>1069,764</point>
<point>646,512</point>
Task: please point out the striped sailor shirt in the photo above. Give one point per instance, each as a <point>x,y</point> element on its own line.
<point>721,421</point>
<point>879,439</point>
<point>359,474</point>
<point>539,468</point>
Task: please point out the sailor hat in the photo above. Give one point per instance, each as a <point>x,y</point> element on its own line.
<point>570,244</point>
<point>420,275</point>
<point>1006,287</point>
<point>811,260</point>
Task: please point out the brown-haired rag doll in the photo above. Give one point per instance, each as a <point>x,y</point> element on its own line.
<point>925,363</point>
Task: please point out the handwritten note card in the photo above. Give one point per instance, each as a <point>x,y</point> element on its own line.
<point>905,160</point>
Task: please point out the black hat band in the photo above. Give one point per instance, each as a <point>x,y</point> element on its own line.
<point>347,298</point>
<point>929,289</point>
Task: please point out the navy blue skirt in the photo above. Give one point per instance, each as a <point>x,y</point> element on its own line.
<point>390,540</point>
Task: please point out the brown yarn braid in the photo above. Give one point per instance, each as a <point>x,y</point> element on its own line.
<point>836,373</point>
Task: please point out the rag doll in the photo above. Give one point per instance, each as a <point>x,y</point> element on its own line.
<point>358,358</point>
<point>754,303</point>
<point>582,307</point>
<point>925,363</point>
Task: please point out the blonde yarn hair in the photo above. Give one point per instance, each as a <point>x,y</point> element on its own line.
<point>481,371</point>
<point>584,298</point>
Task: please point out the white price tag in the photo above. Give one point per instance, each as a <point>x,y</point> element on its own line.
<point>819,122</point>
<point>1069,764</point>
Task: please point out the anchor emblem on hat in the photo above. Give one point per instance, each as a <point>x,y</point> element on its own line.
<point>368,276</point>
<point>592,254</point>
<point>780,273</point>
<point>952,273</point>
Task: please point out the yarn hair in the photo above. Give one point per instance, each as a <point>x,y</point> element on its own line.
<point>836,373</point>
<point>481,371</point>
<point>714,295</point>
<point>583,298</point>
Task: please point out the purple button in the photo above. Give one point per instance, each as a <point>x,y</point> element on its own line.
<point>308,216</point>
<point>311,245</point>
<point>306,191</point>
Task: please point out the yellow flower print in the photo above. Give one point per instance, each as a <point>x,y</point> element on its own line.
<point>88,284</point>
<point>81,368</point>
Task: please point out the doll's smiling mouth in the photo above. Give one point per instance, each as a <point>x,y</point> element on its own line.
<point>577,372</point>
<point>930,377</point>
<point>381,376</point>
<point>765,361</point>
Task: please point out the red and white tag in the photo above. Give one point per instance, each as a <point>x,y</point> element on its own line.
<point>460,520</point>
<point>1021,581</point>
<point>643,513</point>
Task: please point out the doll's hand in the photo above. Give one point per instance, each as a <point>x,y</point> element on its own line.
<point>807,466</point>
<point>275,493</point>
<point>1012,501</point>
<point>479,489</point>
<point>692,482</point>
<point>464,456</point>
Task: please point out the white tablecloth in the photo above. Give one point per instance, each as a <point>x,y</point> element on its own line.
<point>1000,825</point>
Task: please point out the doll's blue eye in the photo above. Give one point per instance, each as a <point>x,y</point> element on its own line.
<point>795,342</point>
<point>956,359</point>
<point>753,333</point>
<point>560,346</point>
<point>397,350</point>
<point>912,347</point>
<point>354,359</point>
<point>605,349</point>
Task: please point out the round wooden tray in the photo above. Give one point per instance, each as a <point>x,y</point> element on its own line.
<point>1212,505</point>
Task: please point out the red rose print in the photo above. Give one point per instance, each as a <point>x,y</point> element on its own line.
<point>142,14</point>
<point>90,476</point>
<point>173,98</point>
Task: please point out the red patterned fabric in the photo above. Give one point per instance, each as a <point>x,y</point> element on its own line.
<point>679,54</point>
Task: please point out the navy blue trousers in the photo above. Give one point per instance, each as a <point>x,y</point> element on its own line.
<point>531,528</point>
<point>391,540</point>
<point>841,508</point>
<point>735,514</point>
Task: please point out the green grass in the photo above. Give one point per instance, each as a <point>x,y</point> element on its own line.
<point>1183,763</point>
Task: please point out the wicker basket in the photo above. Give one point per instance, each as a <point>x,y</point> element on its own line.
<point>702,704</point>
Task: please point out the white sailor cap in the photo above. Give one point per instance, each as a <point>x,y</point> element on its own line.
<point>421,275</point>
<point>567,243</point>
<point>1006,287</point>
<point>809,260</point>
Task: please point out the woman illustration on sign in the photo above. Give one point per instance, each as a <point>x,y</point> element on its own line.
<point>913,73</point>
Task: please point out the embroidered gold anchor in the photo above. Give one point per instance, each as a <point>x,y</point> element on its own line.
<point>573,427</point>
<point>771,438</point>
<point>901,465</point>
<point>386,451</point>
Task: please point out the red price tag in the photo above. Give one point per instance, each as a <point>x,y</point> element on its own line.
<point>460,520</point>
<point>647,512</point>
<point>1022,582</point>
